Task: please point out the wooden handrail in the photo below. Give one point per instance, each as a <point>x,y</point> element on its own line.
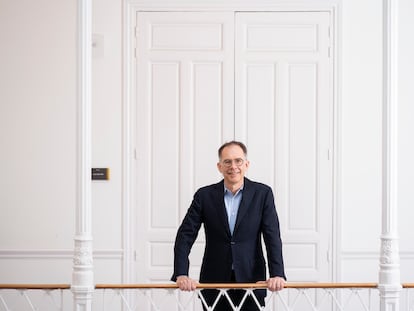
<point>199,286</point>
<point>241,285</point>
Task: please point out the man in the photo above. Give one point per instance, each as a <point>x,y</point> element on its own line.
<point>236,213</point>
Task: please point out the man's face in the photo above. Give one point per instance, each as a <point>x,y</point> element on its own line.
<point>233,165</point>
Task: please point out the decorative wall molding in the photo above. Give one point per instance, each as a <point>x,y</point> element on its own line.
<point>357,255</point>
<point>369,255</point>
<point>64,254</point>
<point>239,5</point>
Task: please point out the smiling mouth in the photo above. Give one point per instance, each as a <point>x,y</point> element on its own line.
<point>233,173</point>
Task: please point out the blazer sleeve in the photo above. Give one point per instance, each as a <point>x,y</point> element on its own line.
<point>186,235</point>
<point>271,236</point>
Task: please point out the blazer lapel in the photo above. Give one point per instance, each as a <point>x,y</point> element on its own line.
<point>248,193</point>
<point>220,206</point>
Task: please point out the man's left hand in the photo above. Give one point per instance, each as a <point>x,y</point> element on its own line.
<point>276,283</point>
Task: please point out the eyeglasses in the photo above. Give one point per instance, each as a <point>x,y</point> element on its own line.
<point>228,163</point>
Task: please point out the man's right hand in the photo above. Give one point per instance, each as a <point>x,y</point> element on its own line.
<point>185,283</point>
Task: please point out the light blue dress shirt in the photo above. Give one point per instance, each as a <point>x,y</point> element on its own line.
<point>232,203</point>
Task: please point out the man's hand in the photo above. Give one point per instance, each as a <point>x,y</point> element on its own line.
<point>185,283</point>
<point>276,283</point>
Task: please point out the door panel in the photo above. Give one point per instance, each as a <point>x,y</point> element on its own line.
<point>207,77</point>
<point>283,112</point>
<point>185,109</point>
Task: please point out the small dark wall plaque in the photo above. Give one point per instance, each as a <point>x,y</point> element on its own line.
<point>100,173</point>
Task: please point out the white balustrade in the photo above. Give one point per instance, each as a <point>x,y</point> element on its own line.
<point>290,299</point>
<point>166,297</point>
<point>35,299</point>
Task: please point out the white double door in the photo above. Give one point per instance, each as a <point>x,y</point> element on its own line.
<point>204,78</point>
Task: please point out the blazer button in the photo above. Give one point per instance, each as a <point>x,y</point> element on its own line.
<point>232,243</point>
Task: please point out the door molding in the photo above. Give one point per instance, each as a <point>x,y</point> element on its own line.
<point>231,5</point>
<point>129,157</point>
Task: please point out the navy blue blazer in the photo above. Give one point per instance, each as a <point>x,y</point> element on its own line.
<point>243,251</point>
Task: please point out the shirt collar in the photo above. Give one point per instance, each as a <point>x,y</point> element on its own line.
<point>229,192</point>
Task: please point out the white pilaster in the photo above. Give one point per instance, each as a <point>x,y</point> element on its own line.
<point>389,274</point>
<point>82,276</point>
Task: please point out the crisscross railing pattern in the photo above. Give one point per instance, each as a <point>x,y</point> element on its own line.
<point>34,297</point>
<point>166,297</point>
<point>316,297</point>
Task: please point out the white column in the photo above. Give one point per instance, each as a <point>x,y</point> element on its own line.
<point>389,274</point>
<point>82,276</point>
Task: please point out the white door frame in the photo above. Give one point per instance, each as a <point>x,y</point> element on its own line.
<point>130,9</point>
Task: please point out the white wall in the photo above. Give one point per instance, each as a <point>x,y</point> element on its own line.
<point>107,140</point>
<point>406,146</point>
<point>360,141</point>
<point>360,126</point>
<point>38,140</point>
